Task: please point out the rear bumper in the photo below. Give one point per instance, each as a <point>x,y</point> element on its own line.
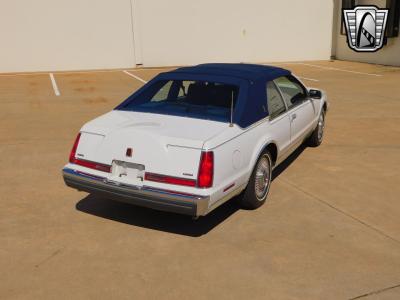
<point>193,205</point>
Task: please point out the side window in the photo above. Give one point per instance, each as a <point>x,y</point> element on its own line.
<point>293,91</point>
<point>184,87</point>
<point>162,93</point>
<point>276,106</point>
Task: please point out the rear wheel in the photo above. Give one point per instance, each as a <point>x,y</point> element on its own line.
<point>318,134</point>
<point>257,189</point>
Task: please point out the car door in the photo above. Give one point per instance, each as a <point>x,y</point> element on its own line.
<point>300,108</point>
<point>278,118</point>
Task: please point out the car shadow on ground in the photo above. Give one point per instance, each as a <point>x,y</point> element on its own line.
<point>168,222</point>
<point>288,161</point>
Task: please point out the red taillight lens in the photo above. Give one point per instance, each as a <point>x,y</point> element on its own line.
<point>206,170</point>
<point>169,179</point>
<point>85,163</point>
<point>72,158</point>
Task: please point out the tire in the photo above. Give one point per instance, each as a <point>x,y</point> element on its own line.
<point>259,183</point>
<point>318,134</point>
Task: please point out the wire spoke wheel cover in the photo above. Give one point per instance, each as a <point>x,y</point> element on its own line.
<point>262,177</point>
<point>321,126</point>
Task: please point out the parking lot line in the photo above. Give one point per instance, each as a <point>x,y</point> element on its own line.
<point>301,77</point>
<point>134,76</point>
<point>54,83</point>
<point>335,69</point>
<point>309,79</point>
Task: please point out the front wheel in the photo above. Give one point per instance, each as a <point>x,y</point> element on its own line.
<point>257,189</point>
<point>318,134</point>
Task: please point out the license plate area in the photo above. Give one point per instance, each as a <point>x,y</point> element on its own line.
<point>127,172</point>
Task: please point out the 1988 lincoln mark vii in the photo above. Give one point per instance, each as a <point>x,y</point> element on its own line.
<point>195,137</point>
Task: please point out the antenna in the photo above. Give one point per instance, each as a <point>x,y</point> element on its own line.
<point>231,124</point>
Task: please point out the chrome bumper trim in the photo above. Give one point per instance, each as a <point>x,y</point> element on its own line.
<point>188,204</point>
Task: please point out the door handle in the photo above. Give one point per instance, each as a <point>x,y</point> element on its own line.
<point>294,116</point>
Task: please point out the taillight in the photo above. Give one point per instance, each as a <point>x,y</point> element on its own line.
<point>72,155</point>
<point>206,170</point>
<point>85,163</point>
<point>169,179</point>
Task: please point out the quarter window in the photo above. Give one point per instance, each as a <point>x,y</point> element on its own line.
<point>276,106</point>
<point>162,93</point>
<point>293,91</point>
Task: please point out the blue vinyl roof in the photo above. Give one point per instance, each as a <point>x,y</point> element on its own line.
<point>244,71</point>
<point>251,79</point>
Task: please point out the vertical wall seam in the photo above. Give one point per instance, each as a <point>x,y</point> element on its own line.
<point>133,32</point>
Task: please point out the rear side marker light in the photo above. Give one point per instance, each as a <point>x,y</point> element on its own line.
<point>229,187</point>
<point>169,179</point>
<point>85,163</point>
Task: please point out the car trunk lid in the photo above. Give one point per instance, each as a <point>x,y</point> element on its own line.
<point>157,143</point>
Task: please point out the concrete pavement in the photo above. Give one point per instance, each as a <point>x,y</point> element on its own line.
<point>330,230</point>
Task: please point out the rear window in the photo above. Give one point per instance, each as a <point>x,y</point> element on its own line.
<point>195,99</point>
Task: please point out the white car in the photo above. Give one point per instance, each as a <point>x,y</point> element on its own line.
<point>193,138</point>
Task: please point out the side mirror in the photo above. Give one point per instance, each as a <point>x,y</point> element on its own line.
<point>315,94</point>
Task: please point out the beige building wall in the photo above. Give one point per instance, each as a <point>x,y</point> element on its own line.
<point>53,35</point>
<point>388,55</point>
<point>179,32</point>
<point>45,35</point>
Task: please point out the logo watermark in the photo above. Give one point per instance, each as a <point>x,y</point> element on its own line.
<point>365,27</point>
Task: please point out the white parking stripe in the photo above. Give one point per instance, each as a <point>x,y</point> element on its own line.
<point>334,69</point>
<point>309,79</point>
<point>134,76</point>
<point>281,64</point>
<point>54,83</point>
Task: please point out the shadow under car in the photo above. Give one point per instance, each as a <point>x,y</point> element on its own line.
<point>165,221</point>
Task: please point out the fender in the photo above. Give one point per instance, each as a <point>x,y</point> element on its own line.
<point>323,102</point>
<point>261,146</point>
